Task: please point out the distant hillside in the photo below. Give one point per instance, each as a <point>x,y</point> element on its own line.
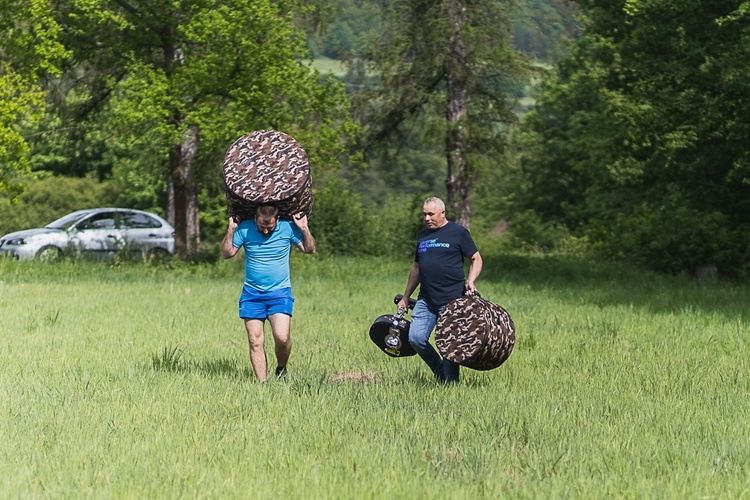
<point>540,27</point>
<point>544,27</point>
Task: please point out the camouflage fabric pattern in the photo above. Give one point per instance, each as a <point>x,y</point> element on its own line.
<point>299,202</point>
<point>475,333</point>
<point>267,167</point>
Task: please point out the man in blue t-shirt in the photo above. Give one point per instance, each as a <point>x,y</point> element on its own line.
<point>439,270</point>
<point>267,292</point>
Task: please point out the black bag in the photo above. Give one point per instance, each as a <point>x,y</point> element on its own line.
<point>390,332</point>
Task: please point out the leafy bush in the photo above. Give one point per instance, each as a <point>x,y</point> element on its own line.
<point>529,231</point>
<point>674,239</point>
<point>399,221</point>
<point>46,199</point>
<point>213,221</point>
<point>339,223</point>
<point>342,226</point>
<point>139,186</point>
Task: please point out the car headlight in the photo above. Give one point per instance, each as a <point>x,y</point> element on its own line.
<point>16,241</point>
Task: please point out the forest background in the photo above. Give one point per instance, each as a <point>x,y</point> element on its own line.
<point>623,131</point>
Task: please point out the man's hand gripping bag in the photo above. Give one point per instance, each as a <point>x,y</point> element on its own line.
<point>390,332</point>
<point>475,333</point>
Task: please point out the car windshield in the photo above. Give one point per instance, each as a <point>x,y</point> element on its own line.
<point>66,221</point>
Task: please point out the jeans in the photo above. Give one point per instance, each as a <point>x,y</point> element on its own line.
<point>423,321</point>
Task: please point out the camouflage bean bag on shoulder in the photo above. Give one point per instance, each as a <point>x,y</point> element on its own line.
<point>475,333</point>
<point>267,167</point>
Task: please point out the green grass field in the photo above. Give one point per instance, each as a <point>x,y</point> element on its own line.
<point>328,65</point>
<point>134,382</point>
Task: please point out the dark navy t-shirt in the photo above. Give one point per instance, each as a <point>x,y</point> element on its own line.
<point>440,255</point>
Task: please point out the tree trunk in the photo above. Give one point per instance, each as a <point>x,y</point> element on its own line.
<point>458,182</point>
<point>184,194</point>
<point>170,196</point>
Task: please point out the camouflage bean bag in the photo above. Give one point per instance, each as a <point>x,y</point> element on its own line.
<point>267,167</point>
<point>475,333</point>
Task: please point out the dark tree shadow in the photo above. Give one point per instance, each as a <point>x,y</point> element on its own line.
<point>170,359</point>
<point>612,284</point>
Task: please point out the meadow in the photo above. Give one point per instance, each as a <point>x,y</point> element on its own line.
<point>132,381</point>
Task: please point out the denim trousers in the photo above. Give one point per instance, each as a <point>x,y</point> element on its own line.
<point>423,320</point>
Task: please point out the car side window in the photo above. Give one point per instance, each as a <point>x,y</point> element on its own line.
<point>105,220</point>
<point>140,221</point>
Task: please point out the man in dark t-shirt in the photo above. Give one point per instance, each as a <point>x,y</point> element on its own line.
<point>439,270</point>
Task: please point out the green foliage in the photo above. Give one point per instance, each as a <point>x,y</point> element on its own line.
<point>540,27</point>
<point>347,34</point>
<point>139,186</point>
<point>29,50</point>
<point>640,142</point>
<point>48,198</point>
<point>342,226</point>
<point>213,221</point>
<point>398,220</point>
<point>533,233</point>
<point>675,239</point>
<point>405,171</point>
<point>17,101</point>
<point>545,28</point>
<point>448,68</point>
<point>155,93</point>
<point>266,85</point>
<point>636,149</point>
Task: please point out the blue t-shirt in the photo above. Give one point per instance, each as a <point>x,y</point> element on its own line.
<point>440,255</point>
<point>267,256</point>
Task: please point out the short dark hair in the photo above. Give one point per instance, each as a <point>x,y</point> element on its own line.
<point>266,213</point>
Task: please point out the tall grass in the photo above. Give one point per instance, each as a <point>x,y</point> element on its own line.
<point>133,381</point>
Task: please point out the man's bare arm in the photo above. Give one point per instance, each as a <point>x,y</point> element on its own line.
<point>307,245</point>
<point>411,285</point>
<point>475,268</point>
<point>228,250</point>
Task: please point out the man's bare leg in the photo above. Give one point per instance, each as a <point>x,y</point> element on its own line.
<point>256,339</point>
<point>280,325</point>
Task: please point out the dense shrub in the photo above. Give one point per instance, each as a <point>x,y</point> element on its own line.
<point>675,239</point>
<point>342,226</point>
<point>46,199</point>
<point>213,221</point>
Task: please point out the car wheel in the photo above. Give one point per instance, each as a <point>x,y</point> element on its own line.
<point>158,256</point>
<point>49,254</point>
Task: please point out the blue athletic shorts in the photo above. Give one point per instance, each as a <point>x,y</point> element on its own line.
<point>255,304</point>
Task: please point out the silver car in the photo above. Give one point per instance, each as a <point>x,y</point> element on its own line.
<point>97,232</point>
